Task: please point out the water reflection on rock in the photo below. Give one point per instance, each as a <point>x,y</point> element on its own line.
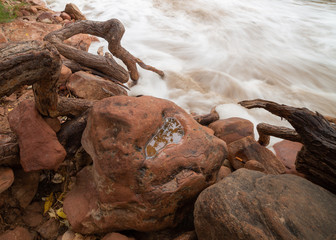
<point>170,132</point>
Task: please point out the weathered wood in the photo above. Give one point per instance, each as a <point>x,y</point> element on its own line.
<point>72,107</point>
<point>76,67</point>
<point>9,150</point>
<point>31,63</point>
<point>206,119</point>
<point>317,158</point>
<point>266,130</point>
<point>112,31</point>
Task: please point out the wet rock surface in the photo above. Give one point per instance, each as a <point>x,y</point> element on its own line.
<point>130,186</point>
<point>232,129</point>
<point>287,151</point>
<point>251,205</point>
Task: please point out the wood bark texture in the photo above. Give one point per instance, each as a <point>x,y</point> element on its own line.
<point>31,63</point>
<point>266,130</point>
<point>112,31</point>
<point>317,158</point>
<point>206,119</point>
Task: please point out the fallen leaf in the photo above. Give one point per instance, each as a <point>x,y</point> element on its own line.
<point>60,213</point>
<point>48,202</point>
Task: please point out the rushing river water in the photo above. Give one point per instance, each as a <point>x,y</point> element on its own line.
<point>219,52</point>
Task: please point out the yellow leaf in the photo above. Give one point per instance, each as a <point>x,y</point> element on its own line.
<point>60,213</point>
<point>10,109</point>
<point>60,198</point>
<point>48,202</point>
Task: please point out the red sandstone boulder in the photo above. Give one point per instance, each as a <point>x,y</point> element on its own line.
<point>254,165</point>
<point>65,16</point>
<point>49,229</point>
<point>150,161</point>
<point>187,236</point>
<point>32,216</point>
<point>19,233</point>
<point>74,12</point>
<point>20,30</point>
<point>286,151</point>
<point>223,172</point>
<point>25,186</point>
<point>37,2</point>
<point>232,129</point>
<point>88,86</point>
<point>250,205</point>
<point>39,146</point>
<point>46,17</point>
<point>247,148</point>
<point>54,123</point>
<point>116,236</point>
<point>6,178</point>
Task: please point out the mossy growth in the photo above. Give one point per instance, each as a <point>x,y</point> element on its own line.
<point>8,10</point>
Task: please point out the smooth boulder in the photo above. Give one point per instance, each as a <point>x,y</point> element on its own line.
<point>150,161</point>
<point>252,205</point>
<point>232,129</point>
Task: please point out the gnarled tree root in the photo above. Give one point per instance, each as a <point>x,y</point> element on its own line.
<point>112,31</point>
<point>31,63</point>
<point>317,158</point>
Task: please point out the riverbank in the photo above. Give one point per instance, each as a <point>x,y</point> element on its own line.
<point>135,167</point>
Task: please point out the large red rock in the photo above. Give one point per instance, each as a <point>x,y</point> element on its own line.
<point>287,151</point>
<point>150,161</point>
<point>249,205</point>
<point>39,146</point>
<point>88,86</point>
<point>246,149</point>
<point>232,129</point>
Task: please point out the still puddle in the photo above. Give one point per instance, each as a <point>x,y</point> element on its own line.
<point>170,132</point>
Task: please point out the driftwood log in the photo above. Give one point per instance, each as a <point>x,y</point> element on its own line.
<point>206,119</point>
<point>112,31</point>
<point>31,63</point>
<point>317,158</point>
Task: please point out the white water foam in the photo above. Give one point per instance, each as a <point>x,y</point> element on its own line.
<point>219,52</point>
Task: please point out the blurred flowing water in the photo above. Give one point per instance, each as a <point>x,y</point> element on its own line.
<point>219,52</point>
